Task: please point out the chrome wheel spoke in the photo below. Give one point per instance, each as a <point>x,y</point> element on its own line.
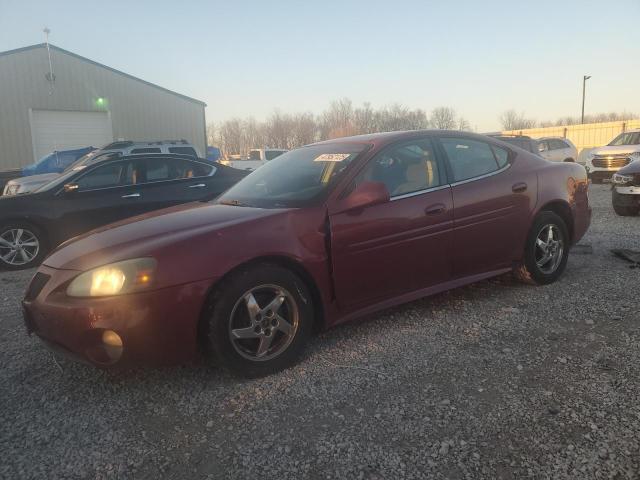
<point>30,244</point>
<point>252,306</point>
<point>24,255</point>
<point>550,234</point>
<point>541,244</point>
<point>242,333</point>
<point>263,347</point>
<point>5,243</point>
<point>283,326</point>
<point>18,235</point>
<point>275,304</point>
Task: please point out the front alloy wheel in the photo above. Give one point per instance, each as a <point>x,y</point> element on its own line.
<point>20,247</point>
<point>258,320</point>
<point>260,333</point>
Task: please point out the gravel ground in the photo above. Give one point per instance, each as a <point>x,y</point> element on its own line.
<point>495,380</point>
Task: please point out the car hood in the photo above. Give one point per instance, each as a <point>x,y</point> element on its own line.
<point>29,183</point>
<point>631,169</point>
<point>177,231</point>
<point>615,150</point>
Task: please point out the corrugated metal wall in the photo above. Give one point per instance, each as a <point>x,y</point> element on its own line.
<point>138,111</point>
<point>585,136</point>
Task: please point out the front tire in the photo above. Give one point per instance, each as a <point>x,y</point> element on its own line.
<point>22,246</point>
<point>618,200</point>
<point>546,250</point>
<point>259,320</point>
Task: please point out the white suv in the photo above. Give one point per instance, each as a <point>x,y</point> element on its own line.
<point>557,149</point>
<point>603,162</point>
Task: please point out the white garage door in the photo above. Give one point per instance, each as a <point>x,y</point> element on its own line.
<point>58,130</point>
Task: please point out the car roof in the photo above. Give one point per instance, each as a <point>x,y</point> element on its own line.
<point>122,144</point>
<point>384,138</point>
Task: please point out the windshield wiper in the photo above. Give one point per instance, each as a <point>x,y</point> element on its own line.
<point>235,203</point>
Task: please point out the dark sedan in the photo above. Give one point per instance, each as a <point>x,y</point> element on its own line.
<point>108,190</point>
<point>316,237</point>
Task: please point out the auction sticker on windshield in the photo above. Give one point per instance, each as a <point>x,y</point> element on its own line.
<point>331,157</point>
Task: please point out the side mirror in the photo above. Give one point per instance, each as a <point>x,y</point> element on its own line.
<point>541,147</point>
<point>71,187</point>
<point>365,195</point>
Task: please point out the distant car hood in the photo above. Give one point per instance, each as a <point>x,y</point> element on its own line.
<point>631,169</point>
<point>615,150</point>
<point>177,232</point>
<point>32,182</point>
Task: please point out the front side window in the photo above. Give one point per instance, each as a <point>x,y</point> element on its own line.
<point>469,158</point>
<point>631,138</point>
<point>297,178</point>
<point>406,168</point>
<point>111,175</point>
<point>254,155</point>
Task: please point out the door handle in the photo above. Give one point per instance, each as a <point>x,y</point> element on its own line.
<point>435,209</point>
<point>131,195</point>
<point>519,187</point>
<point>197,185</point>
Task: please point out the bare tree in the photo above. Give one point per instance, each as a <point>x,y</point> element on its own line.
<point>512,120</point>
<point>443,118</point>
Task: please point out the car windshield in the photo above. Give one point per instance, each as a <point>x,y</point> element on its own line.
<point>630,138</point>
<point>295,179</point>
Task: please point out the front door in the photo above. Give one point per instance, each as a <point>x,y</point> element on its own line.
<point>400,246</point>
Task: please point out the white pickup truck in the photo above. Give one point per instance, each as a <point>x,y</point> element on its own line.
<point>257,158</point>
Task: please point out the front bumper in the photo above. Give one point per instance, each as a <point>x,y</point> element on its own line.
<point>156,328</point>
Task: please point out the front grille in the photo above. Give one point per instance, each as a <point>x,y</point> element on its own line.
<point>610,161</point>
<point>38,282</point>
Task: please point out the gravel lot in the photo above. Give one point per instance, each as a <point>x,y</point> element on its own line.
<point>495,380</point>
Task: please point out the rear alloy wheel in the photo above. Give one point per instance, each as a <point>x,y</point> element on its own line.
<point>259,320</point>
<point>625,205</point>
<point>21,246</point>
<point>546,251</point>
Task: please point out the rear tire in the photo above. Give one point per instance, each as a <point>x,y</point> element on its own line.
<point>626,211</point>
<point>22,246</point>
<point>545,256</point>
<point>258,321</point>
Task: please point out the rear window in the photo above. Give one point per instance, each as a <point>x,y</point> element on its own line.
<point>145,150</point>
<point>183,151</point>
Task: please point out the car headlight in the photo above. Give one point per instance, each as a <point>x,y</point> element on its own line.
<point>118,278</point>
<point>621,179</point>
<point>11,189</point>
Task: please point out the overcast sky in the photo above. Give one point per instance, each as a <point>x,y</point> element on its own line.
<point>250,57</point>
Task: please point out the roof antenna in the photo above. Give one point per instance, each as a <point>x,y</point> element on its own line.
<point>49,75</point>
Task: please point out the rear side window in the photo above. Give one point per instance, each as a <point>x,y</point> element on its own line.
<point>271,154</point>
<point>145,150</point>
<point>557,144</point>
<point>163,169</point>
<point>183,151</point>
<point>502,156</point>
<point>469,158</point>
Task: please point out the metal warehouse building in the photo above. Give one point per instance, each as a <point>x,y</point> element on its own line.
<point>52,99</point>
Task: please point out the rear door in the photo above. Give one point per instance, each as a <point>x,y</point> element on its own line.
<point>167,181</point>
<point>400,246</point>
<point>493,195</point>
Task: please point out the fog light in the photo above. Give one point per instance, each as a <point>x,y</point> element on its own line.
<point>111,339</point>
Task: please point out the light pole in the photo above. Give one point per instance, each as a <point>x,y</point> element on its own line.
<point>584,83</point>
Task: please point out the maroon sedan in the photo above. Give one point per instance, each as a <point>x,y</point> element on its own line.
<point>319,236</point>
